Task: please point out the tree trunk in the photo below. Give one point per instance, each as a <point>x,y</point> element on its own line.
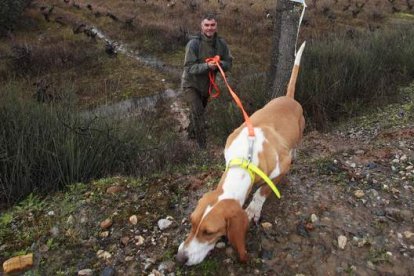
<point>283,48</point>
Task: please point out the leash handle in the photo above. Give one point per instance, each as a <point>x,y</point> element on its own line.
<point>216,60</point>
<point>213,85</point>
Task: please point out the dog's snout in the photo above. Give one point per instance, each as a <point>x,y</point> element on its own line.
<point>181,257</point>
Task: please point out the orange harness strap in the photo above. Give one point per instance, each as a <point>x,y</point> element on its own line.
<point>216,60</point>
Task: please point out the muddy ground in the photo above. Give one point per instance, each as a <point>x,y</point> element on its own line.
<point>346,209</point>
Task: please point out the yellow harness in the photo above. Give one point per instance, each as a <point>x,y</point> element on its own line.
<point>252,169</point>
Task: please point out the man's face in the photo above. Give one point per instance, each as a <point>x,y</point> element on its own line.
<point>209,27</point>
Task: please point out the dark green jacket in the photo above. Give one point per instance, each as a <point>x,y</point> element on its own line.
<point>196,70</point>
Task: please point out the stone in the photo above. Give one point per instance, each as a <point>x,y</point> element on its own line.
<point>18,263</point>
<point>101,254</point>
<point>140,240</point>
<point>359,193</point>
<point>133,219</point>
<point>54,231</point>
<point>164,224</point>
<point>167,266</point>
<point>104,234</point>
<point>220,245</point>
<point>114,189</point>
<point>85,272</point>
<point>108,271</point>
<point>125,240</point>
<point>408,234</point>
<point>70,220</point>
<point>342,242</point>
<point>266,225</point>
<point>106,224</point>
<point>314,218</point>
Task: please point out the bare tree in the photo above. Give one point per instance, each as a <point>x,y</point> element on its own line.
<point>283,49</point>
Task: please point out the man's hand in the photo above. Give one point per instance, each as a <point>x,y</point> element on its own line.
<point>212,65</point>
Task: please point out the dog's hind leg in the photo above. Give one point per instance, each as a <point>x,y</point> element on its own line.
<point>254,209</point>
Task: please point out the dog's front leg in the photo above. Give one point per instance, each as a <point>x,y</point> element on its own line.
<point>254,209</point>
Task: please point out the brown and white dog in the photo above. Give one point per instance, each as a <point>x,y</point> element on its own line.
<point>278,129</point>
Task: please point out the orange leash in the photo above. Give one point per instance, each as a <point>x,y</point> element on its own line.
<point>216,60</point>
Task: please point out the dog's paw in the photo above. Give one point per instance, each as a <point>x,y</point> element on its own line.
<point>254,211</point>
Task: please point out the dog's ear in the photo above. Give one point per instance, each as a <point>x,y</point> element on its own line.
<point>202,204</point>
<point>237,223</point>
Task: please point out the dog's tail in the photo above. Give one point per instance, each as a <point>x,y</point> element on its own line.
<point>295,71</point>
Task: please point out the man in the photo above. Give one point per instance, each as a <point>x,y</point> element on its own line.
<point>195,81</point>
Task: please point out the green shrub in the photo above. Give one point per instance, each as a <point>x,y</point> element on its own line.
<point>343,74</point>
<point>339,76</point>
<point>10,10</point>
<point>44,147</point>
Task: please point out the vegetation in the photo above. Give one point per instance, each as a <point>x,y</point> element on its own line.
<point>45,147</point>
<point>10,11</point>
<point>61,67</point>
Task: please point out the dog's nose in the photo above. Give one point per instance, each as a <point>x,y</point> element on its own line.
<point>181,257</point>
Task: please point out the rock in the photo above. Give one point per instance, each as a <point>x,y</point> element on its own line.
<point>229,251</point>
<point>266,225</point>
<point>148,262</point>
<point>228,261</point>
<point>101,254</point>
<point>314,218</point>
<point>18,263</point>
<point>70,220</point>
<point>359,193</point>
<point>342,242</point>
<point>164,224</point>
<point>106,224</point>
<point>114,189</point>
<point>125,240</point>
<point>408,234</point>
<point>133,219</point>
<point>371,265</point>
<point>220,245</point>
<point>155,272</point>
<point>398,214</point>
<point>85,272</point>
<point>167,266</point>
<point>359,152</point>
<point>302,230</point>
<point>266,254</point>
<point>54,231</point>
<point>104,234</point>
<point>140,240</point>
<point>108,271</point>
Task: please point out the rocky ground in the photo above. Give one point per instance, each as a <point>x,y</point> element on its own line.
<point>347,208</point>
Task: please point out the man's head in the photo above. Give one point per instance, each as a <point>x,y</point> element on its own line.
<point>209,25</point>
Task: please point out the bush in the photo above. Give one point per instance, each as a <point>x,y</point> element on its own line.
<point>339,76</point>
<point>34,59</point>
<point>43,148</point>
<point>10,10</point>
<point>343,74</point>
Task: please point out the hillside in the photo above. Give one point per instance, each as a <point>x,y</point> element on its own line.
<point>346,209</point>
<point>355,181</point>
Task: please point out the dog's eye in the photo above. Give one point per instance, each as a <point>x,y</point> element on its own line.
<point>208,232</point>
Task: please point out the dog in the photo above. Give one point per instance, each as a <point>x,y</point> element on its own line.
<point>278,128</point>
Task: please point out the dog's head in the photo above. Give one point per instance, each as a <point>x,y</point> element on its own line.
<point>211,220</point>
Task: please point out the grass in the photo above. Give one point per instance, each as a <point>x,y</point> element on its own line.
<point>45,147</point>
